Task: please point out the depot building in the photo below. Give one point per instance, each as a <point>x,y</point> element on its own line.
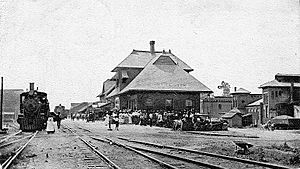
<point>156,80</point>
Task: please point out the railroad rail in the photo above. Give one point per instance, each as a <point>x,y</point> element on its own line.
<point>9,136</point>
<point>11,158</point>
<point>15,141</point>
<point>170,165</point>
<point>205,159</point>
<point>263,164</point>
<point>163,164</point>
<point>164,157</point>
<point>105,158</point>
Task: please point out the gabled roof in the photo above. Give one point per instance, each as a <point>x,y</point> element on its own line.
<point>275,83</point>
<point>139,59</point>
<point>164,77</point>
<point>255,103</point>
<point>241,91</point>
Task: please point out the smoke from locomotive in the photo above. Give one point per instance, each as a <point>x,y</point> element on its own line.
<point>34,110</point>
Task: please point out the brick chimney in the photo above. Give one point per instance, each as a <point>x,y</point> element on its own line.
<point>31,86</point>
<point>152,50</point>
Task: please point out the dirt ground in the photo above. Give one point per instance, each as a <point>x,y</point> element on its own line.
<point>59,150</point>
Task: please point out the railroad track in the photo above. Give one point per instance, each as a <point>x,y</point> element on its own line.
<point>221,160</point>
<point>91,154</point>
<point>13,155</point>
<point>131,158</point>
<point>201,158</point>
<point>165,160</point>
<point>6,137</point>
<point>176,157</point>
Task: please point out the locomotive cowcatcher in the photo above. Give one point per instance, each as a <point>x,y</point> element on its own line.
<point>34,110</point>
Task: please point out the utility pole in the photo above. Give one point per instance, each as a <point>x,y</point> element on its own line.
<point>1,104</point>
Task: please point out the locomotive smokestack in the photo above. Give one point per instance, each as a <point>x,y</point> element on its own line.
<point>31,86</point>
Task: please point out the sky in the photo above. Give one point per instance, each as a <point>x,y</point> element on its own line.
<point>68,48</point>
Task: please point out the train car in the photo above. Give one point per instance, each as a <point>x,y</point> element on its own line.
<point>34,110</point>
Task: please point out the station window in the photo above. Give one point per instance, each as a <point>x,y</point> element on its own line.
<point>280,93</point>
<point>220,106</point>
<point>276,93</point>
<point>272,94</point>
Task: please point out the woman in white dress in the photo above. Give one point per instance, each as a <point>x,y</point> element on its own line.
<point>50,126</point>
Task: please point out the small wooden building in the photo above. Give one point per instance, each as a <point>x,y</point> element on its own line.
<point>234,119</point>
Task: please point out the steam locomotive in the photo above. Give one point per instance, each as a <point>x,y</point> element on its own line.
<point>34,110</point>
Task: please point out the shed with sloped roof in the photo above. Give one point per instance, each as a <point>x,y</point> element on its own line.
<point>233,119</point>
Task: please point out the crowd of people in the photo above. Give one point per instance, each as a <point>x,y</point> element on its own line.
<point>178,120</point>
